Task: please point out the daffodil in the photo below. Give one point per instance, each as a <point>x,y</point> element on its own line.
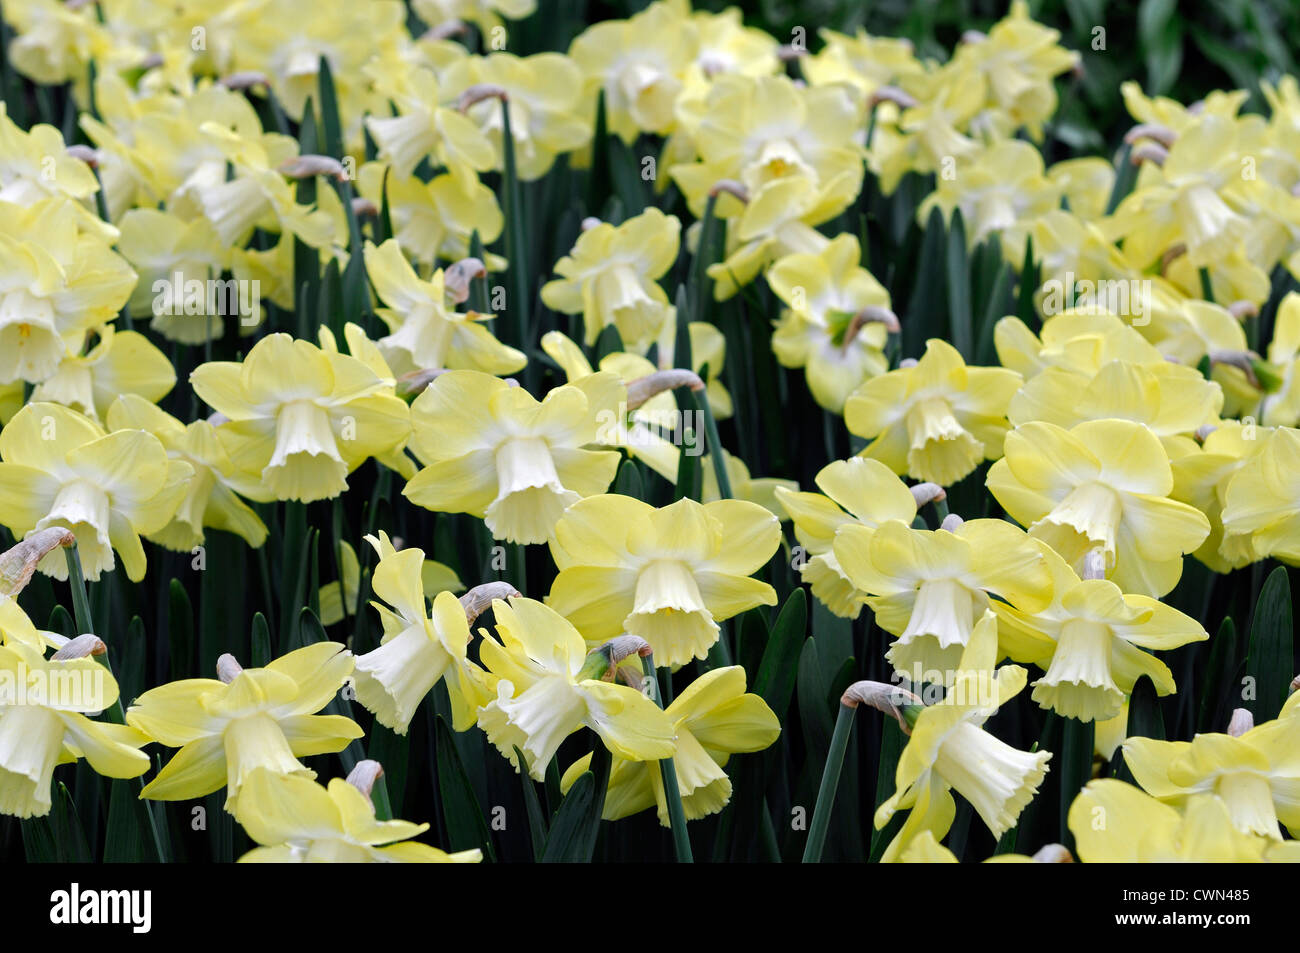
<point>493,450</point>
<point>1254,772</point>
<point>61,469</point>
<point>1094,642</point>
<point>1202,478</point>
<point>300,419</point>
<point>1171,400</point>
<point>434,219</point>
<point>1102,485</point>
<point>998,186</point>
<point>667,575</point>
<point>119,362</point>
<point>57,281</point>
<point>295,820</point>
<point>424,126</point>
<point>1262,502</point>
<point>44,706</point>
<point>168,253</point>
<point>714,719</point>
<point>248,719</point>
<point>857,491</point>
<point>209,500</point>
<point>547,688</point>
<point>949,749</point>
<point>543,94</point>
<point>418,649</point>
<point>35,164</point>
<point>836,323</point>
<point>1114,822</point>
<point>930,587</point>
<point>610,278</point>
<point>486,14</point>
<point>936,420</point>
<point>639,63</point>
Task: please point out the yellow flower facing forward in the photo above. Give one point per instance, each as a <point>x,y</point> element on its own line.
<point>998,187</point>
<point>857,491</point>
<point>547,687</point>
<point>930,587</point>
<point>1090,642</point>
<point>667,575</point>
<point>1263,498</point>
<point>714,719</point>
<point>209,501</point>
<point>494,451</point>
<point>1101,486</point>
<point>1255,773</point>
<point>119,362</point>
<point>936,420</point>
<point>418,649</point>
<point>837,323</point>
<point>44,723</point>
<point>639,64</point>
<point>296,821</point>
<point>1114,822</point>
<point>249,719</point>
<point>544,98</point>
<point>300,419</point>
<point>61,469</point>
<point>610,278</point>
<point>425,333</point>
<point>950,750</point>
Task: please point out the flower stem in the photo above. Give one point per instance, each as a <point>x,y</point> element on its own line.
<point>676,814</point>
<point>714,443</point>
<point>81,612</point>
<point>821,819</point>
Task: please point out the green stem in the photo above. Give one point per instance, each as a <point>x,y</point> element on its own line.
<point>81,612</point>
<point>714,443</point>
<point>676,814</point>
<point>940,511</point>
<point>830,782</point>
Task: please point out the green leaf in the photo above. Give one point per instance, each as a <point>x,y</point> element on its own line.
<point>466,826</point>
<point>329,111</point>
<point>537,827</point>
<point>1270,661</point>
<point>1074,766</point>
<point>1219,679</point>
<point>780,666</point>
<point>959,293</point>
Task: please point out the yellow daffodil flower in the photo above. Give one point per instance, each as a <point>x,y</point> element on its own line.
<point>492,450</point>
<point>296,821</point>
<point>936,420</point>
<point>61,469</point>
<point>47,723</point>
<point>300,419</point>
<point>1090,642</point>
<point>714,719</point>
<point>930,587</point>
<point>249,719</point>
<point>544,693</point>
<point>857,491</point>
<point>610,278</point>
<point>418,650</point>
<point>1102,485</point>
<point>667,575</point>
<point>950,750</point>
<point>836,323</point>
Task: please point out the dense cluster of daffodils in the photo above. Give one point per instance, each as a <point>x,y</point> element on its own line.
<point>354,170</point>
